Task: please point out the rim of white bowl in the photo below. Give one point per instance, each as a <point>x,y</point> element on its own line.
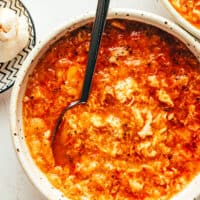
<point>38,178</point>
<point>181,20</point>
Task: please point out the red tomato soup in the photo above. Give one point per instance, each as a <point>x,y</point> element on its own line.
<point>138,136</point>
<point>189,9</point>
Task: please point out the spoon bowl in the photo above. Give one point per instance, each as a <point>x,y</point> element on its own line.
<point>97,30</point>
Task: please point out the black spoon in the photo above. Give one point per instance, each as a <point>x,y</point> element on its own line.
<point>97,30</point>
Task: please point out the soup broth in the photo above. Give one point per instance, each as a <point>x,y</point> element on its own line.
<point>138,136</point>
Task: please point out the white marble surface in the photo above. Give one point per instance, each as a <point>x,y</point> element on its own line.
<point>47,14</point>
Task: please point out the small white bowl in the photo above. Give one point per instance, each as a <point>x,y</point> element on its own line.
<point>181,20</point>
<point>16,121</point>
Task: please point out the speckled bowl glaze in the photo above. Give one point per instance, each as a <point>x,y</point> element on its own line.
<point>181,20</point>
<point>16,121</point>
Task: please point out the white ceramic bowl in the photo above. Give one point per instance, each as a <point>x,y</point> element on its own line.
<point>181,20</point>
<point>33,172</point>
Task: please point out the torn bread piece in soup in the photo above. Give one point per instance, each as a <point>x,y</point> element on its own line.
<point>138,136</point>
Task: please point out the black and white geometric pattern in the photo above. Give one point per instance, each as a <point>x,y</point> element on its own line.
<point>8,71</point>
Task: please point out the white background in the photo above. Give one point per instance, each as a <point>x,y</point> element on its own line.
<point>47,14</point>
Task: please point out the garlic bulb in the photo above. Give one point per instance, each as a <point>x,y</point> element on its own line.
<point>14,34</point>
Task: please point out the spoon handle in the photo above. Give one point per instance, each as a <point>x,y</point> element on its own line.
<point>97,30</point>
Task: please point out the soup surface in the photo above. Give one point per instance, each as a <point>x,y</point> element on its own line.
<point>138,136</point>
<point>189,9</point>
